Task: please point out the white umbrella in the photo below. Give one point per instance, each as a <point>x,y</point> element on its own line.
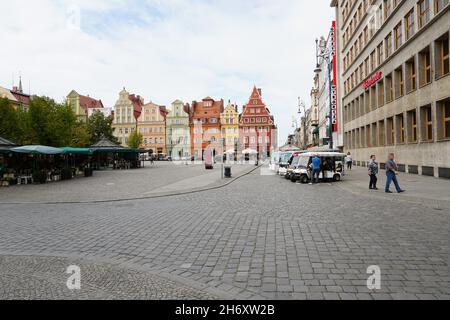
<point>249,151</point>
<point>231,151</point>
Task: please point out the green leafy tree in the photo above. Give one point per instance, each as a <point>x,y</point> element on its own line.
<point>81,137</point>
<point>99,127</point>
<point>135,140</point>
<point>51,123</point>
<point>10,127</point>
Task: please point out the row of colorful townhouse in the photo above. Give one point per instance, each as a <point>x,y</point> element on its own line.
<point>187,130</point>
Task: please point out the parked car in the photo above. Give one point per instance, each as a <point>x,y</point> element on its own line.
<point>332,166</point>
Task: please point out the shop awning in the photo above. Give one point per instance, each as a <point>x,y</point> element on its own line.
<point>38,150</point>
<point>81,151</point>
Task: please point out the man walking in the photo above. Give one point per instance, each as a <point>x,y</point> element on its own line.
<point>316,164</point>
<point>349,160</point>
<point>373,172</point>
<point>391,174</point>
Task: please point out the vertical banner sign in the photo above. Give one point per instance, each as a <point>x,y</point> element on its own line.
<point>334,91</point>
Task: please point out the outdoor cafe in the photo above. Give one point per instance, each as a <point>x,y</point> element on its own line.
<point>42,164</point>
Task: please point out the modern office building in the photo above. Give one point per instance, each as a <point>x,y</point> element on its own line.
<point>395,81</point>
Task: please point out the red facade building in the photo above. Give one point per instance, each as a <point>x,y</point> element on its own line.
<point>205,127</point>
<point>257,129</point>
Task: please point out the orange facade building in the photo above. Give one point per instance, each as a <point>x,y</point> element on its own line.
<point>205,127</point>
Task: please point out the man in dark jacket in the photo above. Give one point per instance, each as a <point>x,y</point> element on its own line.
<point>373,172</point>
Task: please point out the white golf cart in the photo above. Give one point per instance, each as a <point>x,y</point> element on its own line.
<point>332,167</point>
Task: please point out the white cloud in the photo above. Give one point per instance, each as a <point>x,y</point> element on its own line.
<point>165,50</point>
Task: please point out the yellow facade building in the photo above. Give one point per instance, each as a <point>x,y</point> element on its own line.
<point>229,120</point>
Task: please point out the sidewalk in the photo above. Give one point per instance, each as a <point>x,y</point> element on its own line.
<point>419,189</point>
<point>162,179</point>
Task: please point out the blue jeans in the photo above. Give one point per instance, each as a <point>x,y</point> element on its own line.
<point>391,177</point>
<point>315,176</point>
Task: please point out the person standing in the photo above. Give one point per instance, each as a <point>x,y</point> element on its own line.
<point>349,160</point>
<point>391,174</point>
<point>373,172</point>
<point>316,166</point>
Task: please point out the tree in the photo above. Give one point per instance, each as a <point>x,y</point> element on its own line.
<point>9,121</point>
<point>99,126</point>
<point>51,123</point>
<point>81,137</point>
<point>135,140</point>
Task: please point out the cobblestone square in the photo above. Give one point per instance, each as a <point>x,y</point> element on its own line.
<point>259,237</point>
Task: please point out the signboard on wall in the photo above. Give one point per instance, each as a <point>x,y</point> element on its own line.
<point>334,91</point>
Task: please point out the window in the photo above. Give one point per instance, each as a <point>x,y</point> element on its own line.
<point>400,128</point>
<point>443,109</point>
<point>389,89</point>
<point>368,137</point>
<point>382,133</point>
<point>367,102</point>
<point>380,53</point>
<point>390,131</point>
<point>427,124</point>
<point>372,61</point>
<point>412,123</point>
<point>387,9</point>
<point>375,134</point>
<point>439,5</point>
<point>373,97</point>
<point>398,36</point>
<point>425,67</point>
<point>366,67</point>
<point>388,45</point>
<point>380,94</point>
<point>423,12</point>
<point>399,82</point>
<point>409,25</point>
<point>411,75</point>
<point>442,56</point>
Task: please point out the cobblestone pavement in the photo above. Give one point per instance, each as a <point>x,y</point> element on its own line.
<point>260,237</point>
<point>44,278</point>
<point>154,180</point>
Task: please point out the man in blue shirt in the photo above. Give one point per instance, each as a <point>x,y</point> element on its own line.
<point>391,174</point>
<point>316,166</point>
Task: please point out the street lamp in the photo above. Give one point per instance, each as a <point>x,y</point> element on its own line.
<point>302,108</point>
<point>323,52</point>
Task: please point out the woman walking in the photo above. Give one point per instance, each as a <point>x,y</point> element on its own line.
<point>373,172</point>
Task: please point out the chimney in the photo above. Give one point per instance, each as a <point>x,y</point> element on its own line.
<point>14,89</point>
<point>260,92</point>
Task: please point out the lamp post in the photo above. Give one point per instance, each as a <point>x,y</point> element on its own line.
<point>323,52</point>
<point>302,108</point>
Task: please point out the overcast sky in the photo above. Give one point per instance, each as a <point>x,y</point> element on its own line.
<point>165,49</point>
